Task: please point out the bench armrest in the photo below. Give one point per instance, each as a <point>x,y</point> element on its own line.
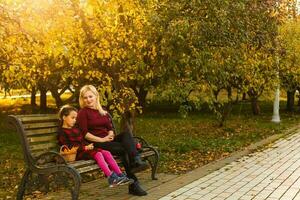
<point>143,142</point>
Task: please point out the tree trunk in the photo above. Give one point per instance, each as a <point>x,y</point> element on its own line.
<point>33,97</point>
<point>56,96</point>
<point>244,96</point>
<point>229,92</point>
<point>237,97</point>
<point>253,95</point>
<point>142,97</point>
<point>255,106</point>
<point>127,122</point>
<point>290,100</point>
<point>227,108</point>
<point>43,98</point>
<point>76,94</point>
<point>298,95</point>
<point>216,93</point>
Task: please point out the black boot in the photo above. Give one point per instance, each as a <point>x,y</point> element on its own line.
<point>139,165</point>
<point>136,189</point>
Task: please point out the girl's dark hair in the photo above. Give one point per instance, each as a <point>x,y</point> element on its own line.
<point>65,111</point>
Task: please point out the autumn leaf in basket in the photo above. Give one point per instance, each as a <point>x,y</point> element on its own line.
<point>66,150</point>
<point>68,154</point>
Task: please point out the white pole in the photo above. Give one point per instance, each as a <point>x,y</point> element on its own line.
<point>276,117</point>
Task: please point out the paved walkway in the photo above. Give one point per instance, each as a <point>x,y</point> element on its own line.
<point>273,173</point>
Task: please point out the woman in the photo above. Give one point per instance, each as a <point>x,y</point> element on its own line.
<point>96,127</point>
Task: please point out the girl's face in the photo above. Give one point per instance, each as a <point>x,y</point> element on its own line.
<point>89,100</point>
<point>70,120</point>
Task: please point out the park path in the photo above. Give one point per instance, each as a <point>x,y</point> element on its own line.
<point>271,173</point>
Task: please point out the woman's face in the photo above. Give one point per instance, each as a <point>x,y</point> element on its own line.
<point>89,99</point>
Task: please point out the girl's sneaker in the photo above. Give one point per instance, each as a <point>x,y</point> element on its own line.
<point>126,180</point>
<point>114,180</point>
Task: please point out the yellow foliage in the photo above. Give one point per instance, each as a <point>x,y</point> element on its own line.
<point>94,41</point>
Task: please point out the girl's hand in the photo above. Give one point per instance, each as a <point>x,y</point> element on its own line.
<point>89,147</point>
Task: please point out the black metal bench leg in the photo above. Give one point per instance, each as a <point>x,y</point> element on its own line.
<point>154,170</point>
<point>76,179</point>
<point>75,192</point>
<point>22,185</point>
<point>44,182</point>
<point>154,164</point>
<point>76,189</point>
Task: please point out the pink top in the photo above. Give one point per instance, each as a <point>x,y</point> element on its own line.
<point>90,120</point>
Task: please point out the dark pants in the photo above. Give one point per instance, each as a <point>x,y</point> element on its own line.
<point>123,146</point>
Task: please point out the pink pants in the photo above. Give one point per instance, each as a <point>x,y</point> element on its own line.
<point>107,163</point>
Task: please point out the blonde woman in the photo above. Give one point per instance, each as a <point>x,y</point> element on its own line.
<point>96,127</point>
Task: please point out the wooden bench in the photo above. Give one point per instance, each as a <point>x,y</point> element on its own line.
<point>45,167</point>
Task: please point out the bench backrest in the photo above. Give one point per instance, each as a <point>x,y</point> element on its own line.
<point>38,133</point>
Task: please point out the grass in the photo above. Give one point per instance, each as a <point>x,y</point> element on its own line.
<point>187,143</point>
<point>11,161</point>
<point>184,143</point>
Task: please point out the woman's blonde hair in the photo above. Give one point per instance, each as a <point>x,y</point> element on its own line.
<point>92,89</point>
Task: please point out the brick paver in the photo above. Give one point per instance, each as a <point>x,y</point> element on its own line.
<point>272,173</point>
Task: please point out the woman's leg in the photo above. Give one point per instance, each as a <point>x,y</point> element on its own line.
<point>115,148</point>
<point>126,139</point>
<point>111,162</point>
<point>128,143</point>
<point>102,164</point>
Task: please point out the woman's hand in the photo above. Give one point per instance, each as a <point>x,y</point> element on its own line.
<point>93,138</point>
<point>111,135</point>
<point>108,138</point>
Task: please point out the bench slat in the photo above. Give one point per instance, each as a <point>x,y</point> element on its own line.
<point>88,168</point>
<point>41,131</point>
<point>80,163</point>
<point>43,147</point>
<point>147,153</point>
<point>41,117</point>
<point>48,138</point>
<point>40,125</point>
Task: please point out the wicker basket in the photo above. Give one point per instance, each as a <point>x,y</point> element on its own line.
<point>68,154</point>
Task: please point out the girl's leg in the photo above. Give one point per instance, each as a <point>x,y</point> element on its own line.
<point>111,162</point>
<point>116,148</point>
<point>102,164</point>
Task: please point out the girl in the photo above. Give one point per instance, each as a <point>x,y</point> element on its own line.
<point>71,136</point>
